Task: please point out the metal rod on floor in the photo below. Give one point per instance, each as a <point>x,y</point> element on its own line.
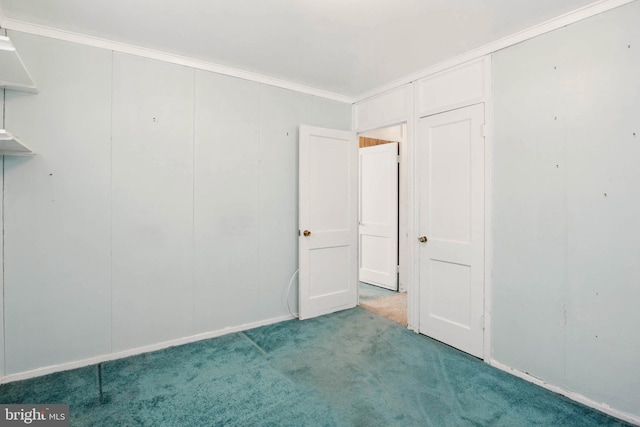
<point>100,382</point>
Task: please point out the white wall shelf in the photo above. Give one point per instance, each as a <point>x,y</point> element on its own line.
<point>11,145</point>
<point>13,73</point>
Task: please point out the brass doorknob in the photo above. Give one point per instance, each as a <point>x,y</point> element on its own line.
<point>422,239</point>
<point>307,233</point>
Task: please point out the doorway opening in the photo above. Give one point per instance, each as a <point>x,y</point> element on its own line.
<point>380,220</point>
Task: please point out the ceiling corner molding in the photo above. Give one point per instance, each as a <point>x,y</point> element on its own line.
<point>54,33</point>
<point>529,33</point>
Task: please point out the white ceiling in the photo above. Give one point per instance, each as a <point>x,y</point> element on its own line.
<point>347,47</point>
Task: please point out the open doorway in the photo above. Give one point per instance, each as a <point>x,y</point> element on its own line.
<point>379,222</point>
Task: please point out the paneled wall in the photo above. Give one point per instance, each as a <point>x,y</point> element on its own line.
<point>162,203</point>
<point>57,208</point>
<point>387,109</point>
<point>152,202</point>
<point>227,197</point>
<point>566,276</point>
<point>461,86</point>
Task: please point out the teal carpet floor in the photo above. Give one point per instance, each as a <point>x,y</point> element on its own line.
<point>352,368</point>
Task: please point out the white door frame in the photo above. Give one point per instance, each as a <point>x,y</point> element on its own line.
<point>405,274</point>
<point>408,242</point>
<point>413,246</point>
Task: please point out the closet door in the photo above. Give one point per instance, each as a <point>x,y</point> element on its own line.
<point>450,168</point>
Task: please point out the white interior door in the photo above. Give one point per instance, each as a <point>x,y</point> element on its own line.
<point>378,226</point>
<point>328,220</point>
<point>450,167</point>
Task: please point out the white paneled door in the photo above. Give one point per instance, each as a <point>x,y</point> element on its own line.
<point>328,221</point>
<point>450,167</point>
<point>379,215</point>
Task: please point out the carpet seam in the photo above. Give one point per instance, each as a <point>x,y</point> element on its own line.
<point>255,344</point>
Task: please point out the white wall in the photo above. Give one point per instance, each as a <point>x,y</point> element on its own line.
<point>162,202</point>
<point>566,277</point>
<point>57,226</point>
<point>387,109</point>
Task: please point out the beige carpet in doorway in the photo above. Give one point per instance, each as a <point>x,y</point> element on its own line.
<point>392,307</point>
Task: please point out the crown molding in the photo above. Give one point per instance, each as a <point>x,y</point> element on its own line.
<point>529,33</point>
<point>545,27</point>
<point>54,33</point>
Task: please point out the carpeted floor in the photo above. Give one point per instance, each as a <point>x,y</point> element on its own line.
<point>352,368</point>
<point>393,307</point>
<point>385,302</point>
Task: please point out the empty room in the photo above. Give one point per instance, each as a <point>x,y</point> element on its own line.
<point>336,213</point>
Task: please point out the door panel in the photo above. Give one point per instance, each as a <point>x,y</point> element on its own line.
<point>449,154</point>
<point>328,212</point>
<point>379,215</point>
<point>328,173</point>
<point>450,302</point>
<point>451,215</point>
<point>329,281</point>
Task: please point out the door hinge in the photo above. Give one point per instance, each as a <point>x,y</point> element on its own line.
<point>398,158</point>
<point>484,130</point>
<point>398,269</point>
<point>482,321</point>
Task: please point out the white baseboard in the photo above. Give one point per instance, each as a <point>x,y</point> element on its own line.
<point>139,350</point>
<point>600,406</point>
